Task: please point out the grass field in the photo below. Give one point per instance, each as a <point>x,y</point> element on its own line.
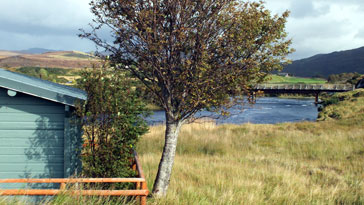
<point>291,163</point>
<point>275,79</point>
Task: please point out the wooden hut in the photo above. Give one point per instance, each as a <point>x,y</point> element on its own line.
<point>39,136</point>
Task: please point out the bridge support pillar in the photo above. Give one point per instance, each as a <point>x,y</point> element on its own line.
<point>253,96</point>
<point>317,98</point>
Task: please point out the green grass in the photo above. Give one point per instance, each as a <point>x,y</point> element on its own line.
<point>275,79</point>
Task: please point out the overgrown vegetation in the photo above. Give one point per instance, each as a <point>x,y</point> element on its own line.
<point>112,123</point>
<point>348,105</point>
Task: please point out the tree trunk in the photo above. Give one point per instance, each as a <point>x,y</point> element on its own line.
<point>165,165</point>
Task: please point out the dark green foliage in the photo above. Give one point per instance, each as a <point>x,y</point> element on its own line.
<point>327,64</point>
<point>35,70</point>
<point>358,94</point>
<point>113,122</point>
<point>350,78</point>
<point>331,101</point>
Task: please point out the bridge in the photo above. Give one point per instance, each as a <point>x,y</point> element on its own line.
<point>302,88</point>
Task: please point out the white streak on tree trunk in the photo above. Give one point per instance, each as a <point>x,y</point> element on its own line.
<point>169,151</point>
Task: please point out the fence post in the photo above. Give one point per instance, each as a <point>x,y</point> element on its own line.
<point>143,199</point>
<point>63,186</point>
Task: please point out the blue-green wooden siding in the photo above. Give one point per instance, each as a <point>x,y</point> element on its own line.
<point>31,138</point>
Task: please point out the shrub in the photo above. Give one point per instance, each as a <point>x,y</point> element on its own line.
<point>335,115</point>
<point>359,94</point>
<point>330,101</point>
<point>113,121</point>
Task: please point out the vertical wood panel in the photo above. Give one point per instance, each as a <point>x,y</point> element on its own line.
<point>67,151</point>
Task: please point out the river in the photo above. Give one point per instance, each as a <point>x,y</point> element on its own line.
<point>267,110</point>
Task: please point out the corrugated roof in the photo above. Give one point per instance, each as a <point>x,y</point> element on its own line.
<point>41,88</point>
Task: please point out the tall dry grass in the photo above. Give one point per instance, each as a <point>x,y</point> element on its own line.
<point>67,198</point>
<point>290,163</point>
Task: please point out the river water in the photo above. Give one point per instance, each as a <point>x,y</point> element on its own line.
<point>267,110</point>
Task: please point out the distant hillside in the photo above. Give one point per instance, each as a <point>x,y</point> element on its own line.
<point>35,51</point>
<point>5,54</point>
<point>326,64</point>
<point>58,59</point>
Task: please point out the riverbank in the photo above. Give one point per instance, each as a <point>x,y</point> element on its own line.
<point>308,162</point>
<point>265,110</point>
<point>296,96</point>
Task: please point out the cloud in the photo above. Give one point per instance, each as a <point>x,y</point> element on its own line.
<point>305,8</point>
<point>48,13</point>
<point>322,26</point>
<point>36,30</point>
<point>26,24</point>
<point>360,34</point>
<point>19,41</point>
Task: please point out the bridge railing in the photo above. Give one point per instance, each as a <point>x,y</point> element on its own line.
<point>333,87</point>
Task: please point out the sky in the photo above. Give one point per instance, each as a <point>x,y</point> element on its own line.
<point>315,26</point>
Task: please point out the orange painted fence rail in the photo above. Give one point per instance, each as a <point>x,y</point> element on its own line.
<point>141,191</point>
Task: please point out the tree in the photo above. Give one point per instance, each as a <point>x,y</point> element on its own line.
<point>43,74</point>
<point>191,54</point>
<point>112,123</point>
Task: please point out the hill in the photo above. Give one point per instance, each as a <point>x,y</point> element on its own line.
<point>56,59</point>
<point>324,65</point>
<point>35,51</point>
<point>5,54</point>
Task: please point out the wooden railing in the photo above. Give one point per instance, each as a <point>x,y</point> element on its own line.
<point>141,192</point>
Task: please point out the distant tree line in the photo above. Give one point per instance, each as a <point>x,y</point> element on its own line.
<point>50,74</point>
<point>350,78</point>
